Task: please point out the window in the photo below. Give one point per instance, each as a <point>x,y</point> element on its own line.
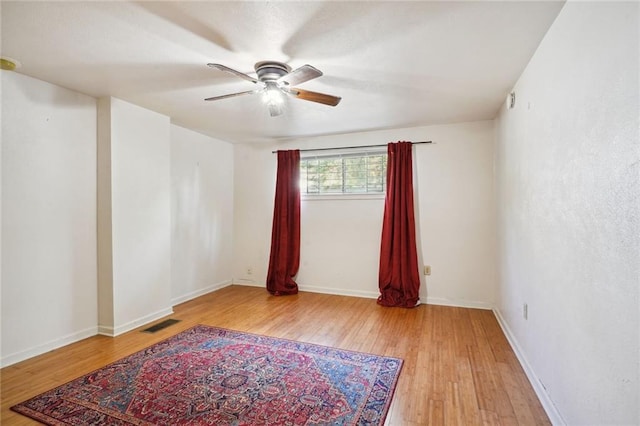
<point>353,173</point>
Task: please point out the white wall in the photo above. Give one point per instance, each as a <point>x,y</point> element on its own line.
<point>48,217</point>
<point>201,214</point>
<point>49,242</point>
<point>457,213</point>
<point>140,216</point>
<point>569,246</point>
<point>340,239</point>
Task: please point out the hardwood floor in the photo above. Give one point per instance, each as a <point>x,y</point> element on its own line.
<point>458,367</point>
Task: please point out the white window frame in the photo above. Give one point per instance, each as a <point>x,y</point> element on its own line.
<point>345,195</point>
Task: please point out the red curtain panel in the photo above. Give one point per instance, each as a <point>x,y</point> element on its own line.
<point>285,235</point>
<point>399,278</point>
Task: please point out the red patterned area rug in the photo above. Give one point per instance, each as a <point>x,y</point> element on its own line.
<point>213,376</point>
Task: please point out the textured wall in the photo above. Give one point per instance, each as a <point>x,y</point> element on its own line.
<point>201,213</point>
<point>340,238</point>
<point>569,232</point>
<point>48,217</point>
<point>140,216</point>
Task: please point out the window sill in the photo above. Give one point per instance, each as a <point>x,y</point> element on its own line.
<point>326,197</point>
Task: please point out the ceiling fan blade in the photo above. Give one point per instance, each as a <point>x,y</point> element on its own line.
<point>234,72</point>
<point>300,75</point>
<point>232,95</point>
<point>308,95</point>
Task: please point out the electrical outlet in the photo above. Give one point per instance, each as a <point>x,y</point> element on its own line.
<point>427,269</point>
<point>525,311</point>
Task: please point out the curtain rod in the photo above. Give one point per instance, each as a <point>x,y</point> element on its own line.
<point>350,147</point>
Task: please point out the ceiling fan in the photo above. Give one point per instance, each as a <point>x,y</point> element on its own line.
<point>274,80</point>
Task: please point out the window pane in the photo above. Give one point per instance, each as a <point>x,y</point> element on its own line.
<point>310,176</point>
<point>344,174</point>
<point>376,172</point>
<point>355,177</point>
<point>330,175</point>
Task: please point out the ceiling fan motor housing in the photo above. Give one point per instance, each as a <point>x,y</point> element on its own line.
<point>275,79</point>
<point>271,70</point>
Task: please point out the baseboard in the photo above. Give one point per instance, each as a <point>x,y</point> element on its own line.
<point>106,330</point>
<point>339,292</point>
<point>246,283</point>
<point>110,331</point>
<point>316,289</point>
<point>192,295</point>
<point>543,396</point>
<point>374,295</point>
<point>48,346</point>
<point>458,303</point>
<point>116,331</point>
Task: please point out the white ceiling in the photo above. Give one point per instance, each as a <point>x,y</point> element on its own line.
<point>395,64</point>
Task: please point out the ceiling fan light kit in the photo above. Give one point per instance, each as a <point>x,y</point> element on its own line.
<point>274,80</point>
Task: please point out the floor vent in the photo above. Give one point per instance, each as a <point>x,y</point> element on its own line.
<point>159,326</point>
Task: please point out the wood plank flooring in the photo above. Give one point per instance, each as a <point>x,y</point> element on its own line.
<point>458,367</point>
